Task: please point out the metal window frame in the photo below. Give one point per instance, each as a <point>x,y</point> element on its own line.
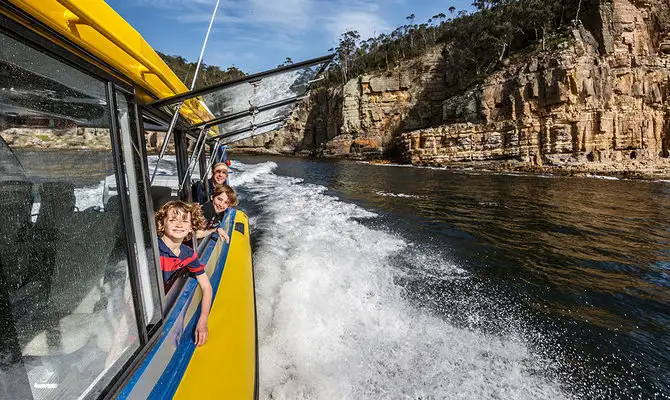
<point>226,135</point>
<point>138,137</point>
<point>124,198</point>
<point>248,112</point>
<point>148,200</point>
<point>163,104</point>
<point>181,155</point>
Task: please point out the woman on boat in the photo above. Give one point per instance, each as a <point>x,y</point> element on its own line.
<point>219,176</point>
<point>223,196</point>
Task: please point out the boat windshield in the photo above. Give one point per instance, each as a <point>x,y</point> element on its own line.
<point>255,104</point>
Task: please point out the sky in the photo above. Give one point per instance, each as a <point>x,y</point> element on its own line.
<point>257,35</point>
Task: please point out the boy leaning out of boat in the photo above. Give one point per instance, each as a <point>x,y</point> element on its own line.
<point>176,221</point>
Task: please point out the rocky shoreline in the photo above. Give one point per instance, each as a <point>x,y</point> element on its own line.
<point>96,139</point>
<point>640,170</point>
<point>643,170</point>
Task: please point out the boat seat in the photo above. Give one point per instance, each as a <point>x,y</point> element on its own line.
<point>69,255</point>
<point>57,204</point>
<point>16,201</point>
<point>161,195</point>
<point>57,207</point>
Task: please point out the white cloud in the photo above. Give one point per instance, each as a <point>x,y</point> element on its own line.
<point>282,24</point>
<point>367,24</point>
<point>289,13</point>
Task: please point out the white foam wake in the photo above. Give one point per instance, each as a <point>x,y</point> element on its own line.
<point>333,323</point>
<point>402,195</point>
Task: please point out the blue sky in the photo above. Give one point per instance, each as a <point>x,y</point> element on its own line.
<point>256,35</point>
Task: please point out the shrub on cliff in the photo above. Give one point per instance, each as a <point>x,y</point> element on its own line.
<point>208,75</point>
<point>475,44</point>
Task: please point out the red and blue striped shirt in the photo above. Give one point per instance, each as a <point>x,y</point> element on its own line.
<point>171,263</point>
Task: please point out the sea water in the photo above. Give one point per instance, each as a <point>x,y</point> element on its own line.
<point>382,282</point>
<point>376,282</point>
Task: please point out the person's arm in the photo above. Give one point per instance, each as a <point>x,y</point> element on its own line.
<point>202,233</point>
<point>201,329</point>
<point>222,233</point>
<point>199,234</point>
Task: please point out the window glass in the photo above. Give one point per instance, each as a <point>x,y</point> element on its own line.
<point>66,311</point>
<point>133,159</point>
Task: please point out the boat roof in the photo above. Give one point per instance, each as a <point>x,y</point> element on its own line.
<point>97,29</point>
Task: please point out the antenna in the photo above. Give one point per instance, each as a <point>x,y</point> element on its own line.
<point>176,111</point>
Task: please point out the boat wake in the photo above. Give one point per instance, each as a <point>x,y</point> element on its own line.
<point>336,321</point>
<point>403,195</point>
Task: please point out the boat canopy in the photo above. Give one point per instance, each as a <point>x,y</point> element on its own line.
<point>251,105</point>
<point>108,41</point>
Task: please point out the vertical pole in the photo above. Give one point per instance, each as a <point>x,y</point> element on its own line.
<point>204,44</point>
<point>176,112</point>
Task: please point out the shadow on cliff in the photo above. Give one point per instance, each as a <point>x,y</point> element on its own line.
<point>427,111</point>
<point>323,122</point>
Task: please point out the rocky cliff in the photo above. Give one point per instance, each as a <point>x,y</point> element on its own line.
<point>599,102</point>
<point>363,118</point>
<point>595,100</point>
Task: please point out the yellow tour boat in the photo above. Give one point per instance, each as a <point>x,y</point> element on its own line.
<point>84,311</point>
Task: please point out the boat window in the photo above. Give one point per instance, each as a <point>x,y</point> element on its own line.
<point>136,182</point>
<point>251,105</point>
<point>67,319</point>
<point>163,172</point>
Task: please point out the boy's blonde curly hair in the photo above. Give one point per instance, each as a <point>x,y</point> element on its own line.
<point>179,207</point>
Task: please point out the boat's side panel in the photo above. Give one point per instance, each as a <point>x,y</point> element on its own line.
<point>226,367</point>
<point>161,371</point>
<point>151,370</point>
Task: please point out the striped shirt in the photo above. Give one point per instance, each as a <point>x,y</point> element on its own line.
<point>170,263</point>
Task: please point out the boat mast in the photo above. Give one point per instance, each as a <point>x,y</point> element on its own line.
<point>176,112</point>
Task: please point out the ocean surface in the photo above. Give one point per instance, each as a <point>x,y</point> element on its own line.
<point>393,282</point>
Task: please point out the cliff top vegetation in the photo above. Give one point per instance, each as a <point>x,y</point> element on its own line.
<point>208,75</point>
<point>474,44</point>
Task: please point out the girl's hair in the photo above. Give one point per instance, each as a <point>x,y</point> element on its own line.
<point>230,193</point>
<point>179,207</point>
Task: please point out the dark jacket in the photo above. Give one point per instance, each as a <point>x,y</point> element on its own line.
<point>213,219</point>
<point>198,191</point>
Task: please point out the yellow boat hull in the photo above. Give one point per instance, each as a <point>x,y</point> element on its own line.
<point>230,353</point>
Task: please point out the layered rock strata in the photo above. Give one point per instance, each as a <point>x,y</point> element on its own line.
<point>596,100</point>
<point>577,108</point>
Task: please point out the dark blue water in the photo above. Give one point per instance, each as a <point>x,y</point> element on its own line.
<point>579,268</point>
